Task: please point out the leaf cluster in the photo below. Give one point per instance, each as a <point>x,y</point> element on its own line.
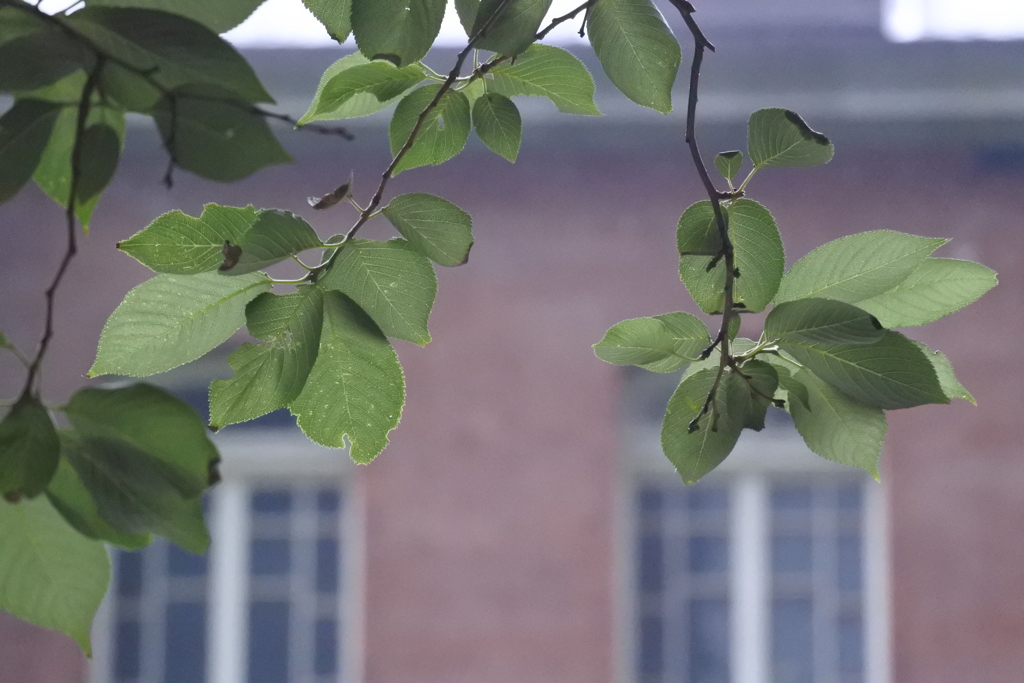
<point>828,354</point>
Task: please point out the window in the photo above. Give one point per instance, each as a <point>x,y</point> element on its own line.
<point>268,597</point>
<point>770,570</point>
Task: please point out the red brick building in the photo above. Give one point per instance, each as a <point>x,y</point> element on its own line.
<point>520,527</point>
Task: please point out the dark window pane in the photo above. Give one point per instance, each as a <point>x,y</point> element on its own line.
<point>272,502</point>
<point>649,500</point>
<point>797,498</point>
<point>851,647</point>
<point>708,499</point>
<point>849,563</point>
<point>326,650</point>
<point>650,657</point>
<point>129,574</point>
<point>185,656</point>
<point>848,497</point>
<point>791,554</point>
<point>326,566</point>
<point>792,642</point>
<point>650,563</point>
<point>182,563</point>
<point>126,651</point>
<point>709,641</point>
<point>270,556</point>
<point>268,642</point>
<point>709,554</point>
<point>328,501</point>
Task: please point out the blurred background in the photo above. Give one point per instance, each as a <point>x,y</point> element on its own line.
<point>523,526</point>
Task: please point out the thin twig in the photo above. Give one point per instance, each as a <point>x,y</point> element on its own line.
<point>726,252</point>
<point>494,61</point>
<point>565,17</point>
<point>453,75</point>
<point>84,105</point>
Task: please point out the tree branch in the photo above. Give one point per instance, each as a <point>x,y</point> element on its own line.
<point>84,106</point>
<point>726,253</point>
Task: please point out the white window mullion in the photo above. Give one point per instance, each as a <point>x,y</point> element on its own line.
<point>749,577</point>
<point>228,588</point>
<point>877,664</point>
<point>101,667</point>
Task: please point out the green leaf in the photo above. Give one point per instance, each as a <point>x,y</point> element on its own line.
<point>474,91</point>
<point>165,428</point>
<point>170,320</point>
<point>217,137</point>
<point>890,373</point>
<point>40,58</point>
<point>128,89</point>
<point>356,388</point>
<point>53,174</point>
<point>391,281</point>
<point>467,10</point>
<point>73,501</point>
<point>270,376</point>
<point>175,50</point>
<point>697,231</point>
<point>759,257</point>
<point>145,458</point>
<point>50,575</point>
<point>497,122</point>
<point>219,16</point>
<point>444,131</point>
<point>788,385</point>
<point>400,31</point>
<point>178,243</point>
<point>353,87</point>
<point>513,30</point>
<point>29,449</point>
<point>435,227</point>
<point>547,71</point>
<point>728,163</point>
<point>822,321</point>
<point>24,131</point>
<point>136,493</point>
<point>856,267</point>
<point>15,23</point>
<point>4,342</point>
<point>944,369</point>
<point>836,427</point>
<point>779,137</point>
<point>664,343</point>
<point>938,287</point>
<point>636,49</point>
<point>100,152</point>
<point>275,236</point>
<point>335,15</point>
<point>696,453</point>
<point>761,381</point>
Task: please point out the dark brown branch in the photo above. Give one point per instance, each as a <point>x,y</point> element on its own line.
<point>726,253</point>
<point>84,106</point>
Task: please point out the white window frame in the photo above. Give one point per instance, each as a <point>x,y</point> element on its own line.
<point>757,459</point>
<point>252,458</point>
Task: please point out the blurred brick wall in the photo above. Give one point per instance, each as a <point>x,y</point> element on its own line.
<point>490,517</point>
